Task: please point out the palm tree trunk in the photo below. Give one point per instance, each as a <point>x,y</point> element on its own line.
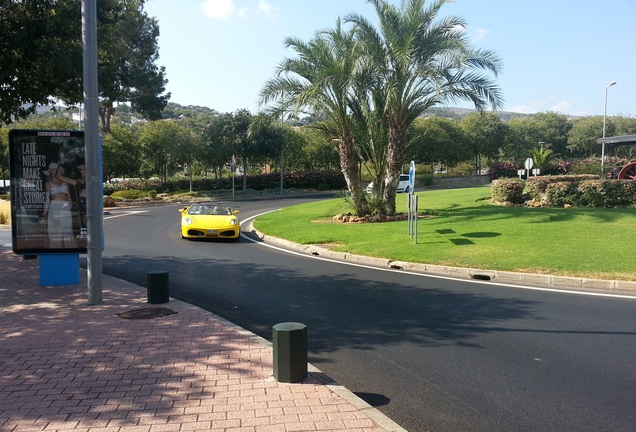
<point>349,167</point>
<point>394,161</point>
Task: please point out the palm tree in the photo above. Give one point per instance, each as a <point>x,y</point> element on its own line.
<point>542,157</point>
<point>320,80</point>
<point>422,62</point>
<point>370,129</point>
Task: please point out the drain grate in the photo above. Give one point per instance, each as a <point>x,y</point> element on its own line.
<point>146,313</point>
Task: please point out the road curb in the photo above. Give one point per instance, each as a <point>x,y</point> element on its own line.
<point>553,281</point>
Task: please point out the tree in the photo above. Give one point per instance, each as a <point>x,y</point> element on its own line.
<point>550,128</point>
<point>128,52</point>
<point>438,140</point>
<point>624,125</point>
<point>122,153</point>
<point>584,133</point>
<point>484,135</point>
<point>38,34</point>
<point>518,141</point>
<point>320,80</point>
<point>185,149</point>
<point>239,137</point>
<point>316,150</point>
<point>217,148</point>
<point>158,139</point>
<point>370,128</point>
<point>422,62</point>
<point>541,158</point>
<point>268,140</point>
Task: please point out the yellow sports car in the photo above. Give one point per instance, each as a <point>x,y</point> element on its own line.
<point>209,220</point>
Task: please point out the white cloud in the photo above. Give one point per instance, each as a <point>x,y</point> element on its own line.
<point>479,34</point>
<point>545,105</point>
<point>267,9</point>
<point>523,109</point>
<point>226,9</point>
<point>219,9</point>
<point>561,107</point>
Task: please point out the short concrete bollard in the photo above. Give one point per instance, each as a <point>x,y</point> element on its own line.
<point>158,287</point>
<point>290,352</point>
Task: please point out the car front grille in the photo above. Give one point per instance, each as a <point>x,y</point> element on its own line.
<point>199,233</point>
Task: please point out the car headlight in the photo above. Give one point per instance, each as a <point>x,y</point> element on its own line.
<point>233,221</point>
<point>187,221</point>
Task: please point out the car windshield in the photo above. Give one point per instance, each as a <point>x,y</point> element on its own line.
<point>209,209</point>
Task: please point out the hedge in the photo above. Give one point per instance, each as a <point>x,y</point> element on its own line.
<point>508,191</point>
<point>331,180</point>
<point>566,190</point>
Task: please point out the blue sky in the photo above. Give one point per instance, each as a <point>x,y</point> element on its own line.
<point>558,55</point>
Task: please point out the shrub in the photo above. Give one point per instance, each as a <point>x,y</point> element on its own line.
<point>606,193</point>
<point>461,169</point>
<point>537,186</point>
<point>130,194</point>
<point>5,212</point>
<point>560,194</point>
<point>586,166</point>
<point>109,202</point>
<point>503,170</point>
<point>508,191</point>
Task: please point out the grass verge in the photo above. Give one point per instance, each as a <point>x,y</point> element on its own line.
<point>463,229</point>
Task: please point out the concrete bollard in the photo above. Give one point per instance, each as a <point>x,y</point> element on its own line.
<point>290,352</point>
<point>158,287</point>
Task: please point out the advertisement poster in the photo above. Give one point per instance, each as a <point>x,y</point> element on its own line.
<point>48,191</point>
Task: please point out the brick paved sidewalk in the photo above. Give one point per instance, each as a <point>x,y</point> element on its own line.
<point>69,366</point>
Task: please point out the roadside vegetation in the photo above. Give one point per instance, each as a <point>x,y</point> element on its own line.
<point>463,228</point>
<point>5,210</point>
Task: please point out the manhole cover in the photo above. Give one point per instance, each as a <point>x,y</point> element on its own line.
<point>146,313</point>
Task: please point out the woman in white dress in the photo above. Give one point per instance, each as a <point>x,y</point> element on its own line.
<point>58,212</point>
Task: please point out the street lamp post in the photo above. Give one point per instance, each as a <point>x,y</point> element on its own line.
<point>604,120</point>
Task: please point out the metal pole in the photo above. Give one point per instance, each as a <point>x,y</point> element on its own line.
<point>415,216</point>
<point>408,212</point>
<point>604,117</point>
<point>282,152</point>
<point>94,198</point>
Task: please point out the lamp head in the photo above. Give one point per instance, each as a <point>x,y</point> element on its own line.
<point>611,84</point>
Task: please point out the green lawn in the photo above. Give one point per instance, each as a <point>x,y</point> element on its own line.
<point>464,229</point>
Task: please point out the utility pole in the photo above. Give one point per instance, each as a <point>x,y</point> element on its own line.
<point>94,192</point>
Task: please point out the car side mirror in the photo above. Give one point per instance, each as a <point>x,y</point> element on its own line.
<point>235,212</point>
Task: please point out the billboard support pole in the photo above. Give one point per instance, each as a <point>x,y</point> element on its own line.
<point>94,192</point>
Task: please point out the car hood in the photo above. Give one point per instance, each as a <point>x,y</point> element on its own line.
<point>218,220</point>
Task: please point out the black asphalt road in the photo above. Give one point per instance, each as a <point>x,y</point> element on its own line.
<point>431,353</point>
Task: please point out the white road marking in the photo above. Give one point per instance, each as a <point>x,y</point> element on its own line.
<point>125,213</point>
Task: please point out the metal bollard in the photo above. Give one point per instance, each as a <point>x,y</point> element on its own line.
<point>290,352</point>
<point>158,287</point>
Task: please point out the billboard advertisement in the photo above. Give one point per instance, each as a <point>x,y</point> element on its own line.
<point>48,191</point>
